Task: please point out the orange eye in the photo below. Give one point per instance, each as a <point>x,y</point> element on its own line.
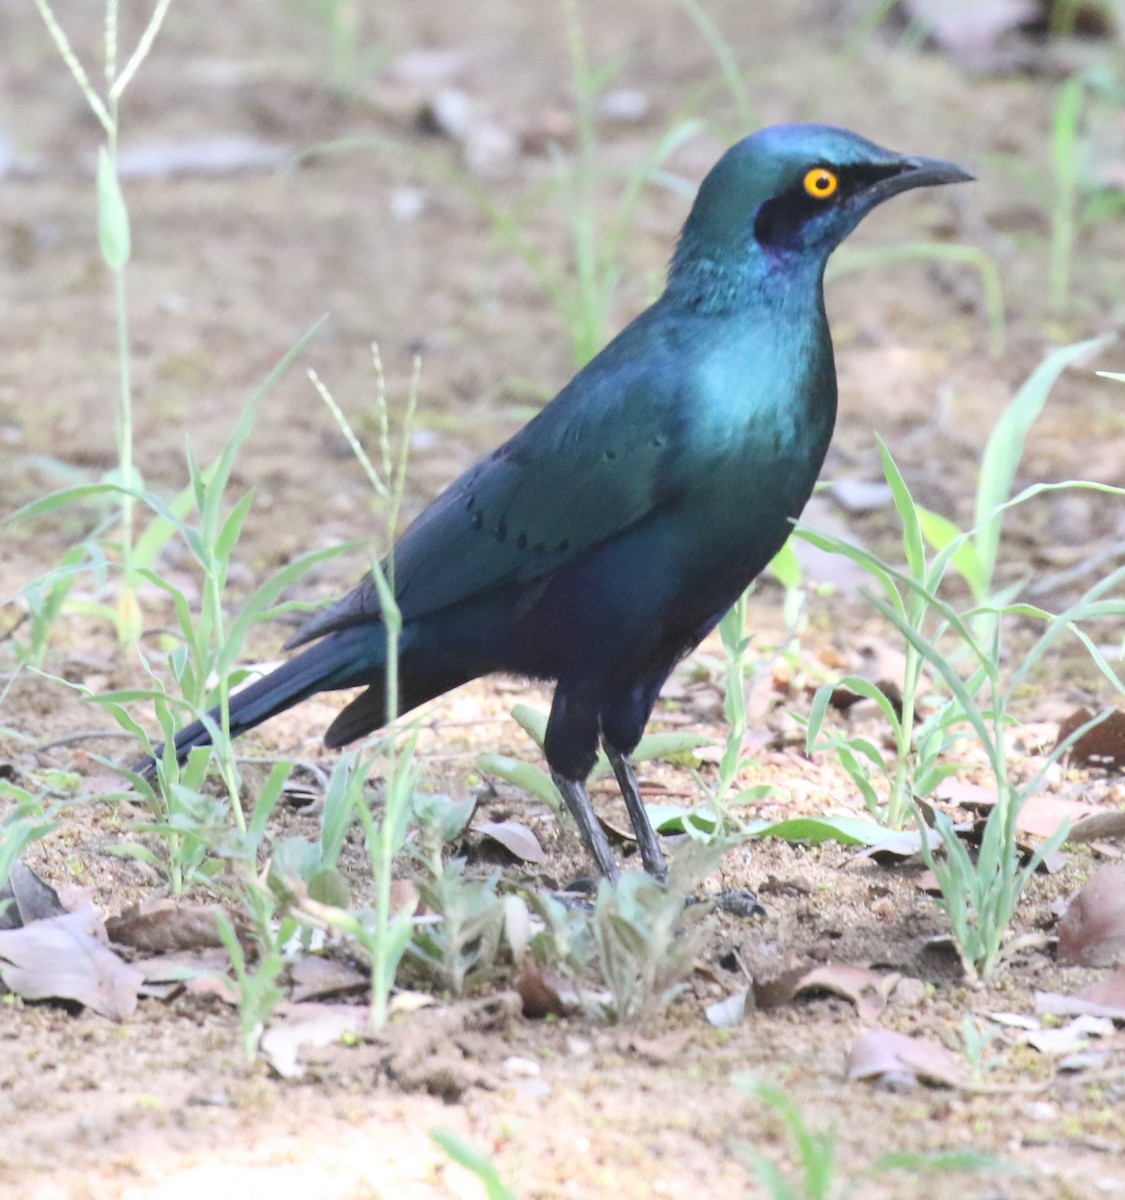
<point>820,183</point>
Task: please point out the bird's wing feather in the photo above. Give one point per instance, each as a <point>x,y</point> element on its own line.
<point>594,462</point>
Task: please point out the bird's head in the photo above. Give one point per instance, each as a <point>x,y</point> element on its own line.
<point>790,194</point>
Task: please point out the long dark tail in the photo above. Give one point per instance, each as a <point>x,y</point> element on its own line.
<point>344,659</point>
<point>341,660</point>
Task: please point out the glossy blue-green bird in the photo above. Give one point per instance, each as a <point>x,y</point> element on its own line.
<point>608,537</point>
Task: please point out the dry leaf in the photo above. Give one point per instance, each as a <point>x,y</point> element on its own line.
<point>517,839</point>
<point>540,991</point>
<point>1013,1020</point>
<point>1110,993</point>
<point>314,977</point>
<point>773,993</point>
<point>1102,746</point>
<point>1042,814</point>
<point>666,1048</point>
<point>404,895</point>
<point>1098,826</point>
<point>222,987</point>
<point>881,1053</point>
<point>868,990</point>
<point>30,898</point>
<point>900,846</point>
<point>964,794</point>
<point>168,975</point>
<point>314,1025</point>
<point>410,1002</point>
<point>66,958</point>
<point>1092,931</point>
<point>730,1011</point>
<point>1058,1005</point>
<point>1068,1039</point>
<point>162,926</point>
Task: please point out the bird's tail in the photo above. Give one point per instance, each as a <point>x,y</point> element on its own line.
<point>343,659</point>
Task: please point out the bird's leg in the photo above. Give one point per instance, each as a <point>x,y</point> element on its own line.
<point>651,855</point>
<point>578,801</point>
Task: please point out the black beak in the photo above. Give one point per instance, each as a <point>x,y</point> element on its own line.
<point>918,172</point>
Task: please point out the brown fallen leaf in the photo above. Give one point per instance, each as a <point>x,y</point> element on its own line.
<point>1069,1039</point>
<point>965,794</point>
<point>315,977</point>
<point>1097,827</point>
<point>311,1025</point>
<point>168,975</point>
<point>928,882</point>
<point>540,991</point>
<point>731,1010</point>
<point>666,1048</point>
<point>66,958</point>
<point>29,898</point>
<point>1092,930</point>
<point>868,990</point>
<point>884,664</point>
<point>898,847</point>
<point>773,993</point>
<point>162,926</point>
<point>1102,746</point>
<point>885,1053</point>
<point>222,987</point>
<point>1110,993</point>
<point>517,839</point>
<point>1042,814</point>
<point>1057,1005</point>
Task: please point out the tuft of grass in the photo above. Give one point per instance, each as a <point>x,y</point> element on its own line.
<point>919,746</point>
<point>459,946</point>
<point>384,932</point>
<point>474,1161</point>
<point>345,54</point>
<point>646,934</point>
<point>963,651</point>
<point>816,1172</point>
<point>815,1150</point>
<point>1065,120</point>
<point>24,820</point>
<point>1074,199</point>
<point>115,244</point>
<point>744,112</point>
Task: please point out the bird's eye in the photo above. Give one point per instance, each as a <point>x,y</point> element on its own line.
<point>820,183</point>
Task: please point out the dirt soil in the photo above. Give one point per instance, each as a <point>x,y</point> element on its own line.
<point>232,260</point>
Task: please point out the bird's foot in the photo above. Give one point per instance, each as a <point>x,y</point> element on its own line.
<point>577,899</point>
<point>739,902</point>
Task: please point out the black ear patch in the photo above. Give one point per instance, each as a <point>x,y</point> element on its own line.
<point>779,221</point>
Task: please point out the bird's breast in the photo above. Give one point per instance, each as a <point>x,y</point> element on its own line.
<point>763,411</point>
